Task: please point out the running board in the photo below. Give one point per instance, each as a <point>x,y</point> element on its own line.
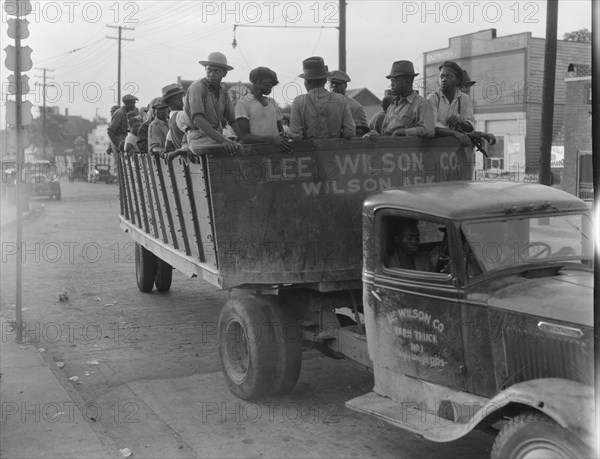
<point>434,425</point>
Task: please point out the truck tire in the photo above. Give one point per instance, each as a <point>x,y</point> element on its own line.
<point>145,268</point>
<point>163,276</point>
<point>533,434</point>
<point>288,341</point>
<point>246,352</point>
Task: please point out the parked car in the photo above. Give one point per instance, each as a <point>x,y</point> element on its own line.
<point>39,177</point>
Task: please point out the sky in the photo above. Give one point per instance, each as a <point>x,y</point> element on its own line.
<point>166,39</point>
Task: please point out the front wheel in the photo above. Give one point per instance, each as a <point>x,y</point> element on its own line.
<point>145,268</point>
<point>534,435</point>
<point>246,350</point>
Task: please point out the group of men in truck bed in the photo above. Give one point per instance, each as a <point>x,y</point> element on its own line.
<point>191,120</point>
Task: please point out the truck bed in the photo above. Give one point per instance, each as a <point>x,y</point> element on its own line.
<point>264,218</point>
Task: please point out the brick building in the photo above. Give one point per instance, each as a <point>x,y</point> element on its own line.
<point>577,169</point>
<point>507,98</point>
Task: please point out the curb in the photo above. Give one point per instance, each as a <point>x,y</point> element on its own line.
<point>35,422</point>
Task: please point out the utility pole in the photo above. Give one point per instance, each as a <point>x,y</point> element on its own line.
<point>342,39</point>
<point>43,85</point>
<point>119,38</point>
<point>545,177</point>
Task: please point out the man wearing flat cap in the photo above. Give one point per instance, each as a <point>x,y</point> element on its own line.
<point>142,141</point>
<point>159,127</point>
<point>452,108</point>
<point>135,123</point>
<point>408,114</point>
<point>320,114</point>
<point>338,82</point>
<point>207,104</point>
<point>172,95</point>
<point>258,116</point>
<point>118,127</point>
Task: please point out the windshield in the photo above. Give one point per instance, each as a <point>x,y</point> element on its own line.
<point>517,241</point>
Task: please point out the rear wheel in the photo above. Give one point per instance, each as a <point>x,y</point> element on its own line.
<point>163,276</point>
<point>247,353</point>
<point>145,268</point>
<point>534,435</point>
<point>288,341</point>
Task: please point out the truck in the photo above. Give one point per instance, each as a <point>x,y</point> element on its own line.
<point>495,333</point>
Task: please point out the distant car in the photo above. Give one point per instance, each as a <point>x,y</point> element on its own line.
<point>102,172</point>
<point>40,178</point>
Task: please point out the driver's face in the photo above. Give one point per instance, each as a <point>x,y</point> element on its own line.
<point>409,240</point>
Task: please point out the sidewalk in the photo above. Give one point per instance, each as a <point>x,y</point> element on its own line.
<point>39,418</point>
<point>8,212</point>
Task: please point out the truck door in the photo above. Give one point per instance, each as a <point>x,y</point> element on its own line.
<point>415,300</point>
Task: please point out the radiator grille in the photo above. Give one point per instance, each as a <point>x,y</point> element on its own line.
<point>540,355</point>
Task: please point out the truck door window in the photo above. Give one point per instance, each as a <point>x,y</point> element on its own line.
<point>418,245</point>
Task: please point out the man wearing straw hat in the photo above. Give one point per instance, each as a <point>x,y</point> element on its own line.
<point>207,104</point>
<point>320,114</point>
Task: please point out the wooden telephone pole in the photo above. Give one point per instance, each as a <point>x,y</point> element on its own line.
<point>120,39</point>
<point>342,39</point>
<point>545,177</point>
<point>43,85</point>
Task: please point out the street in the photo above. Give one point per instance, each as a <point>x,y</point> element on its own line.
<point>144,368</point>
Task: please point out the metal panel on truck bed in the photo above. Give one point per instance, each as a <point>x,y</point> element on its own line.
<point>262,217</point>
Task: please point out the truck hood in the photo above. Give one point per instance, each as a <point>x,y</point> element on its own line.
<point>566,296</point>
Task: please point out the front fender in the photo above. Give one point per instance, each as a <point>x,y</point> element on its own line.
<point>569,403</point>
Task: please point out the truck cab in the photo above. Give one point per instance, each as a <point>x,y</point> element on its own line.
<point>489,316</point>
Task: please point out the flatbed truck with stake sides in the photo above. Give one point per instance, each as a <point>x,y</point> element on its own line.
<point>499,332</point>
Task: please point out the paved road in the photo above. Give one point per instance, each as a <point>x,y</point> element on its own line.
<point>144,368</point>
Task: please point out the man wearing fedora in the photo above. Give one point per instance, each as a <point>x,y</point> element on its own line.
<point>118,127</point>
<point>207,105</point>
<point>159,127</point>
<point>320,114</point>
<point>172,95</point>
<point>338,82</point>
<point>452,108</point>
<point>258,116</point>
<point>408,114</point>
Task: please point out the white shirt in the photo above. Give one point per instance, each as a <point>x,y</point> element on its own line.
<point>262,120</point>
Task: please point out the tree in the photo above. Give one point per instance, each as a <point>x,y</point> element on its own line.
<point>55,130</point>
<point>581,36</point>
